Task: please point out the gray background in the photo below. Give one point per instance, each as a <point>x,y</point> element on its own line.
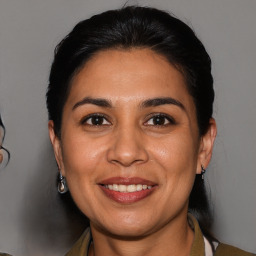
<point>32,221</point>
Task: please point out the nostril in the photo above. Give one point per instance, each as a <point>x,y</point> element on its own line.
<point>127,149</point>
<point>127,162</point>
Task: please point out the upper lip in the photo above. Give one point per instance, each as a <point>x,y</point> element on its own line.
<point>127,181</point>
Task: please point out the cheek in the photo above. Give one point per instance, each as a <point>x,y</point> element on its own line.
<point>82,159</point>
<point>82,155</point>
<point>175,152</point>
<point>177,156</point>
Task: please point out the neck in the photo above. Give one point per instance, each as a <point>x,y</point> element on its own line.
<point>174,238</point>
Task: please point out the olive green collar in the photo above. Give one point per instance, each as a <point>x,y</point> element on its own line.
<point>81,247</point>
<point>198,248</point>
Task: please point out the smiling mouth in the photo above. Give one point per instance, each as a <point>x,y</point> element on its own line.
<point>127,188</point>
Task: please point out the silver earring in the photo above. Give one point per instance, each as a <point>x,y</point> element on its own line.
<point>202,172</point>
<point>62,185</point>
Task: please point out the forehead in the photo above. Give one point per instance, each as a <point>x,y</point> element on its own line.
<point>125,74</point>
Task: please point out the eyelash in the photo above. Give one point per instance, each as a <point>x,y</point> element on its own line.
<point>168,120</point>
<point>103,118</point>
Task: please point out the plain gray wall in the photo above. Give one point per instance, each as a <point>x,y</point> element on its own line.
<point>32,222</point>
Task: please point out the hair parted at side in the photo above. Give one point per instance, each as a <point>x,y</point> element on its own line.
<point>138,27</point>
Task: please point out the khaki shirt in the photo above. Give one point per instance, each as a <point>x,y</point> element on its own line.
<point>81,247</point>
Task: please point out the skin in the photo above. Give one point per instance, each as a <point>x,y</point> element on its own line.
<point>131,143</point>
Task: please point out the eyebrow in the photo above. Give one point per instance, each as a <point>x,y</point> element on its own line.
<point>162,101</point>
<point>145,104</point>
<point>98,102</point>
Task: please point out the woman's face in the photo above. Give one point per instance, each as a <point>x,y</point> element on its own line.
<point>130,146</point>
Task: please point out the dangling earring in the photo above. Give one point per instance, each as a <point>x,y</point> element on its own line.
<point>202,172</point>
<point>62,185</point>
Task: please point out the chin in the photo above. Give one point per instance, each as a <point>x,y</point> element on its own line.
<point>128,233</point>
<point>126,229</point>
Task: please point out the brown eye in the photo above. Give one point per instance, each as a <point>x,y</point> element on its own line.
<point>160,120</point>
<point>96,120</point>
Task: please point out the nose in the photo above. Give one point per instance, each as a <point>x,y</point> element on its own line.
<point>127,148</point>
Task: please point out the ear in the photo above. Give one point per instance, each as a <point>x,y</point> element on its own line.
<point>206,146</point>
<point>1,157</point>
<point>56,144</point>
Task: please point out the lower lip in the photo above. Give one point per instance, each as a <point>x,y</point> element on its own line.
<point>127,198</point>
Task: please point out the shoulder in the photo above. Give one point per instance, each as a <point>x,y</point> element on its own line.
<point>226,250</point>
<point>4,254</point>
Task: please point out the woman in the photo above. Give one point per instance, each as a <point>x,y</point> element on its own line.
<point>1,139</point>
<point>130,102</point>
<point>2,150</point>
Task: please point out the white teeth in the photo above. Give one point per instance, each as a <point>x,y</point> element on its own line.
<point>131,188</point>
<point>139,187</point>
<point>127,188</point>
<point>115,187</point>
<point>122,188</point>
